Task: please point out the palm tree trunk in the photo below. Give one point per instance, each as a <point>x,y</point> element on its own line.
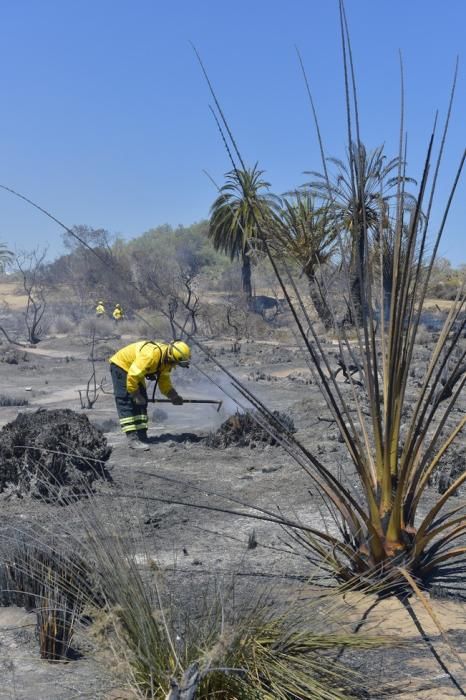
<point>246,275</point>
<point>356,273</point>
<point>323,310</point>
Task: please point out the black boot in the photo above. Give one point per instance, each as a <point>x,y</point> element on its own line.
<point>142,435</point>
<point>134,443</point>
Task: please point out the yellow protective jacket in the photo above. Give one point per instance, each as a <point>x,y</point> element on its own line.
<point>100,310</point>
<point>117,314</point>
<point>143,358</point>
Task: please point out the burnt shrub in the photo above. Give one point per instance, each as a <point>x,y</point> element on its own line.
<point>51,454</point>
<point>242,430</point>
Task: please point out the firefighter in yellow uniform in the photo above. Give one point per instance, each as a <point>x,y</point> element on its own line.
<point>100,309</point>
<point>117,313</point>
<point>129,368</point>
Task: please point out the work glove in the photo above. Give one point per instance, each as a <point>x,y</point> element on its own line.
<point>175,398</point>
<point>139,398</point>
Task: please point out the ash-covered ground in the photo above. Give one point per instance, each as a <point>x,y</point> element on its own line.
<point>155,494</point>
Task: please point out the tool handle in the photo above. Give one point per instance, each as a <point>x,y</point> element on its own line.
<point>187,401</point>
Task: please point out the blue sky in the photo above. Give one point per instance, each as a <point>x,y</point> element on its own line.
<point>105,117</point>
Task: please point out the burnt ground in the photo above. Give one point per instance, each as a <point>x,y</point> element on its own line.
<point>193,546</point>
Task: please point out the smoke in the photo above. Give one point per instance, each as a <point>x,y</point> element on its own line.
<point>192,384</point>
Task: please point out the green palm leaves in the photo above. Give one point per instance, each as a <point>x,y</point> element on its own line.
<point>243,203</point>
<point>304,232</point>
<point>6,256</point>
<point>360,194</point>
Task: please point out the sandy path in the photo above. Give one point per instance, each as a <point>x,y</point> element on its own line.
<point>59,354</point>
<point>58,396</point>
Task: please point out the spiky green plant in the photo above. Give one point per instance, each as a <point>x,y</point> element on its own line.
<point>394,462</point>
<point>386,529</point>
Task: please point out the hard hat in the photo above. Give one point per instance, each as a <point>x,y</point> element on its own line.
<point>100,302</point>
<point>118,306</point>
<point>180,353</point>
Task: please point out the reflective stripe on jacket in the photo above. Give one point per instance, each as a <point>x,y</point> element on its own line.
<point>143,358</point>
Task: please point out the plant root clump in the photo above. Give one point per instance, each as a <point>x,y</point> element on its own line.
<point>242,430</point>
<point>52,455</point>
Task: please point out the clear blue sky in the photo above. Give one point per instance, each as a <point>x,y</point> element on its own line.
<point>104,112</point>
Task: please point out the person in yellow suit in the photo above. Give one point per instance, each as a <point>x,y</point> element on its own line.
<point>129,368</point>
<point>117,313</point>
<point>100,309</point>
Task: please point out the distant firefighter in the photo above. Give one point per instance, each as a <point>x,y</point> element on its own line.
<point>100,309</point>
<point>117,313</point>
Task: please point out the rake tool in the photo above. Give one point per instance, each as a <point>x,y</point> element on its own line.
<point>152,398</point>
<point>212,401</point>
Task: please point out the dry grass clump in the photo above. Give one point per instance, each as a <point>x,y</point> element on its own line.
<point>46,579</point>
<point>98,328</point>
<point>62,325</point>
<point>251,650</point>
<point>12,401</point>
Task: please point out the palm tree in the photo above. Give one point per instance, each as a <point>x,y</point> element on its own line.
<point>5,256</point>
<point>305,233</point>
<point>359,196</point>
<point>242,207</point>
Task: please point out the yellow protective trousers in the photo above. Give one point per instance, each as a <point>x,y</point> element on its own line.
<point>132,416</point>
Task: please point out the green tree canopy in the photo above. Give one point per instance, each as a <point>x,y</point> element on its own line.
<point>244,204</point>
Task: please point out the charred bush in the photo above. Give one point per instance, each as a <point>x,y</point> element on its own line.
<point>11,355</point>
<point>6,400</point>
<point>53,455</point>
<point>243,430</point>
